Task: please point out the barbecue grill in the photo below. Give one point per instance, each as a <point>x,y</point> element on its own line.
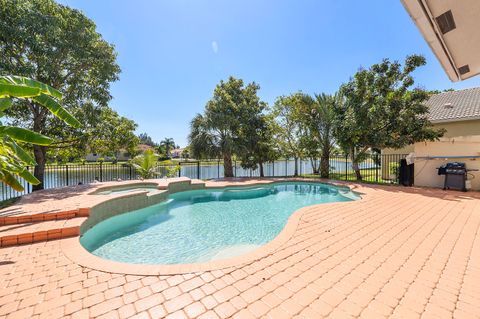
<point>455,175</point>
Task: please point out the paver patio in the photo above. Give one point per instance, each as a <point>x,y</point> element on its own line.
<point>397,252</point>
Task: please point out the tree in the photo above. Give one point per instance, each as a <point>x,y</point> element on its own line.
<point>288,127</point>
<point>144,138</point>
<point>216,132</point>
<point>256,143</point>
<point>185,153</point>
<point>380,109</point>
<point>13,158</point>
<point>167,144</point>
<point>146,164</point>
<point>317,117</point>
<point>58,46</point>
<point>116,133</point>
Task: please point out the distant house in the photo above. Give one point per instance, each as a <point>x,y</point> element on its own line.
<point>177,152</point>
<point>459,113</point>
<point>121,155</point>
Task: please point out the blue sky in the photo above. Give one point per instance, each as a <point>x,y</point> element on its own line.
<point>173,53</point>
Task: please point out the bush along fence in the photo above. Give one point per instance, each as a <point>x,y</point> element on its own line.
<point>375,168</point>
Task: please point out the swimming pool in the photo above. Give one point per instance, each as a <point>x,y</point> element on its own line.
<point>208,224</point>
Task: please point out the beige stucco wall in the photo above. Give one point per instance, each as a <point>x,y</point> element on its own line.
<point>461,139</point>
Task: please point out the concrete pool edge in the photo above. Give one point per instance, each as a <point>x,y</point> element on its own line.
<point>74,251</point>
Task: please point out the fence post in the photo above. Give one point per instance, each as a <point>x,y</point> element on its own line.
<point>273,168</point>
<point>286,167</point>
<point>130,171</point>
<point>28,184</point>
<point>235,164</point>
<point>198,169</point>
<point>101,172</point>
<point>377,167</point>
<point>66,173</point>
<point>218,168</point>
<point>346,166</point>
<point>180,170</point>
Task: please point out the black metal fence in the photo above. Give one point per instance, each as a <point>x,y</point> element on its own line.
<point>375,168</point>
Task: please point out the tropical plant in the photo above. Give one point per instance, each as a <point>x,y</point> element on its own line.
<point>167,144</point>
<point>394,169</point>
<point>59,46</point>
<point>380,110</point>
<point>13,158</point>
<point>317,117</point>
<point>146,164</point>
<point>172,168</point>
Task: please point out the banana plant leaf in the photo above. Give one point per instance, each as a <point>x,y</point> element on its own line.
<point>19,151</point>
<point>5,104</point>
<point>24,135</point>
<point>27,82</point>
<point>7,90</point>
<point>11,181</point>
<point>56,109</point>
<point>26,175</point>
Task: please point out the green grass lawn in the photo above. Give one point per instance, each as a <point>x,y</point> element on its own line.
<point>368,174</point>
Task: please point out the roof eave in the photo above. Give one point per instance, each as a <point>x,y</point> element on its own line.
<point>423,19</point>
<point>463,119</point>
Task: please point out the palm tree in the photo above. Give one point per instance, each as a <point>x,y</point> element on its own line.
<point>324,121</point>
<point>212,139</point>
<point>167,144</point>
<point>145,164</point>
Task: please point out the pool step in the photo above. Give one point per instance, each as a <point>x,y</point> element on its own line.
<point>30,232</point>
<point>41,217</point>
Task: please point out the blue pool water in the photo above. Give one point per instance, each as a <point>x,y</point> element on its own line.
<point>203,225</point>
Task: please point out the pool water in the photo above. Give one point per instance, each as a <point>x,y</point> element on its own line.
<point>202,225</point>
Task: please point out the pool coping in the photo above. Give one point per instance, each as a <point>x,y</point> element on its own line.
<point>73,250</point>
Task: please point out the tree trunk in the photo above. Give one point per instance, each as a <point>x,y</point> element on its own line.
<point>40,153</point>
<point>227,165</point>
<point>295,174</point>
<point>325,164</point>
<point>314,166</point>
<point>260,164</point>
<point>355,166</point>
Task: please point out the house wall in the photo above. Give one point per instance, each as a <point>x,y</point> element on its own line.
<point>461,139</point>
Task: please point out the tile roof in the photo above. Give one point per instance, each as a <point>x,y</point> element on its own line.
<point>465,105</point>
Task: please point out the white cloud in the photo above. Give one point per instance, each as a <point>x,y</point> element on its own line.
<point>215,47</point>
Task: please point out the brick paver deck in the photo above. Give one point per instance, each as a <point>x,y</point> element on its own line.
<point>398,252</point>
